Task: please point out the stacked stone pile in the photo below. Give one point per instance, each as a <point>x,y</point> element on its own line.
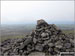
<point>45,38</point>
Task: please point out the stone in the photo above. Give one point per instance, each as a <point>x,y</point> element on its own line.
<point>50,44</point>
<point>39,47</point>
<point>58,46</point>
<point>67,45</point>
<point>19,40</point>
<point>41,21</point>
<point>34,40</point>
<point>43,34</point>
<point>30,47</point>
<point>37,54</point>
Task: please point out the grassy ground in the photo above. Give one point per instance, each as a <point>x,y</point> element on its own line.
<point>68,31</point>
<point>11,37</point>
<point>22,36</point>
<point>19,31</point>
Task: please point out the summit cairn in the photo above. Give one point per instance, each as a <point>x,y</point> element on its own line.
<point>46,38</point>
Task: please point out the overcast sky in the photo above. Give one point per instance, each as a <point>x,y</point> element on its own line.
<point>27,12</point>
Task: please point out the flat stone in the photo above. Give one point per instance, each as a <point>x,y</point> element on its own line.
<point>37,54</point>
<point>43,34</point>
<point>50,44</point>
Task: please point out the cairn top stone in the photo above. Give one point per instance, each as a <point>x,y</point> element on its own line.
<point>41,21</point>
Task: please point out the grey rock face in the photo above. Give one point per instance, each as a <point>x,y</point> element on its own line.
<point>45,38</point>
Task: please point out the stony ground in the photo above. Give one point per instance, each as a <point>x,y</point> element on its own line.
<point>45,38</point>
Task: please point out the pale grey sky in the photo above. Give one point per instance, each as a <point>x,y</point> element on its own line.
<point>27,12</point>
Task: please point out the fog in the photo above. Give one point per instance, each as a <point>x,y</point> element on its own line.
<point>27,12</point>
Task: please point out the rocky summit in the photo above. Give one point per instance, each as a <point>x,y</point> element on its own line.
<point>47,38</point>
